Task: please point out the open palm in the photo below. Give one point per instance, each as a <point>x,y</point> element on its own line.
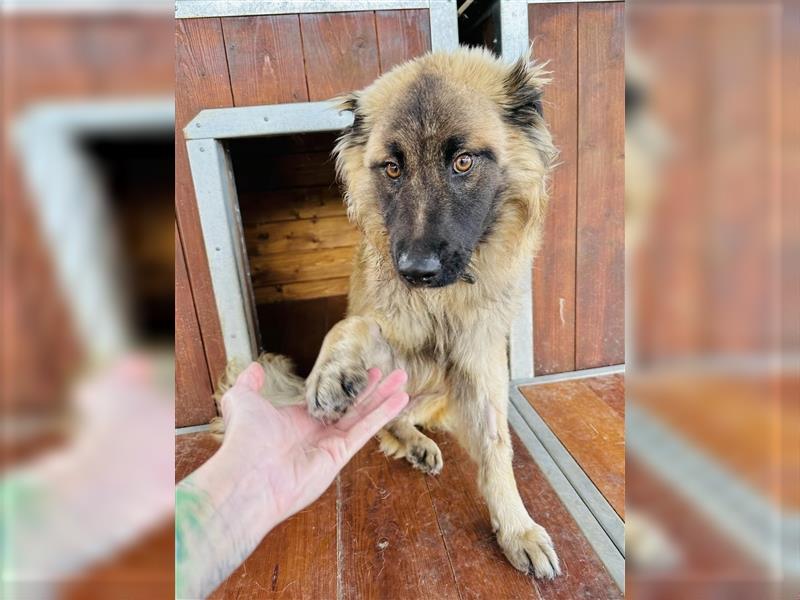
<point>298,456</point>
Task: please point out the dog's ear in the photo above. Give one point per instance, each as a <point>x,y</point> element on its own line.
<point>355,134</point>
<point>522,86</point>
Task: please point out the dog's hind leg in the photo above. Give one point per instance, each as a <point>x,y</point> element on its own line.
<point>401,439</point>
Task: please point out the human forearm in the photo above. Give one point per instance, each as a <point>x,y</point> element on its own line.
<point>219,520</point>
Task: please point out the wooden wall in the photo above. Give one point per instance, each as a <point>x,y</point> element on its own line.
<point>578,277</point>
<point>243,61</point>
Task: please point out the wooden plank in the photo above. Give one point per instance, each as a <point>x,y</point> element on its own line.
<point>288,205</point>
<point>611,390</point>
<point>265,59</point>
<point>341,52</point>
<point>302,234</point>
<point>304,290</point>
<point>193,388</point>
<point>402,35</point>
<point>554,30</point>
<point>600,289</point>
<point>201,78</point>
<point>391,543</point>
<point>302,266</point>
<point>480,567</point>
<point>591,431</point>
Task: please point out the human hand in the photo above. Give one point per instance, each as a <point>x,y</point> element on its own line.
<point>295,456</point>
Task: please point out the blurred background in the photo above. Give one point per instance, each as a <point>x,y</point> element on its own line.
<point>87,272</point>
<point>87,275</point>
<point>713,445</point>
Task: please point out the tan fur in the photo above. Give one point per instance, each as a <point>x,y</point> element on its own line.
<point>451,340</point>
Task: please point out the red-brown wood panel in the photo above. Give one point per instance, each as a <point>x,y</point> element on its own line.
<point>193,402</point>
<point>600,288</point>
<point>201,78</point>
<point>341,52</point>
<point>554,30</point>
<point>402,35</point>
<point>265,59</point>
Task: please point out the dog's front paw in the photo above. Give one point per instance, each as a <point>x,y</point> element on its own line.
<point>531,551</point>
<point>333,387</point>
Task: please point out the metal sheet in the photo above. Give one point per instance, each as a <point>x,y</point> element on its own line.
<point>218,208</point>
<point>189,9</point>
<point>274,119</point>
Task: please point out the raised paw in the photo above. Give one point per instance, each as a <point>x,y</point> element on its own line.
<point>531,551</point>
<point>424,454</point>
<point>332,389</point>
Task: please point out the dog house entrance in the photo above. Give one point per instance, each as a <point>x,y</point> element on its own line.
<point>299,243</point>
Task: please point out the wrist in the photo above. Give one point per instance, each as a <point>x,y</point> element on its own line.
<point>239,492</point>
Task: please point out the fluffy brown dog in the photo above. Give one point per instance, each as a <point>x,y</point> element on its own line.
<point>445,170</point>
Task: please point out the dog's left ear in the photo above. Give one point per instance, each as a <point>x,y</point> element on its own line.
<point>356,134</point>
<point>523,93</point>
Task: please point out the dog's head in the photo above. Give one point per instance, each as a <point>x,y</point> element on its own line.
<point>442,150</point>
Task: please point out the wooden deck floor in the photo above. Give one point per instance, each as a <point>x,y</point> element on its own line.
<point>384,530</point>
<point>588,417</point>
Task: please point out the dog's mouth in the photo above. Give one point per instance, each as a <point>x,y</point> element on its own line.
<point>436,281</point>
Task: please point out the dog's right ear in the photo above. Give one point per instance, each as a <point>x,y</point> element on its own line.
<point>356,134</point>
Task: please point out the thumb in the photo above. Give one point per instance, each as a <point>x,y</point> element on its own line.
<point>252,378</point>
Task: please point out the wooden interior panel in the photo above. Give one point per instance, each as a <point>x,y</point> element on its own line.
<point>194,404</point>
<point>341,52</point>
<point>287,205</point>
<point>600,289</point>
<point>265,59</point>
<point>292,267</point>
<point>554,28</point>
<point>201,75</point>
<point>402,35</point>
<point>589,428</point>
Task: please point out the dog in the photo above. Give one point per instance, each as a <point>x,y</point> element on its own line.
<point>444,171</point>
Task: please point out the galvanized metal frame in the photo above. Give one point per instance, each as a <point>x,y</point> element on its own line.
<point>71,206</point>
<point>212,171</point>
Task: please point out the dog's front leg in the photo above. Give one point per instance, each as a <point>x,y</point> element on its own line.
<point>350,348</point>
<point>480,395</point>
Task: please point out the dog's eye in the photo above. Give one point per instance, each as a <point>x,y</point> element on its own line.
<point>392,170</point>
<point>462,163</point>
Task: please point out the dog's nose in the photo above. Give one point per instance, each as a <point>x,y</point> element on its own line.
<point>419,269</point>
